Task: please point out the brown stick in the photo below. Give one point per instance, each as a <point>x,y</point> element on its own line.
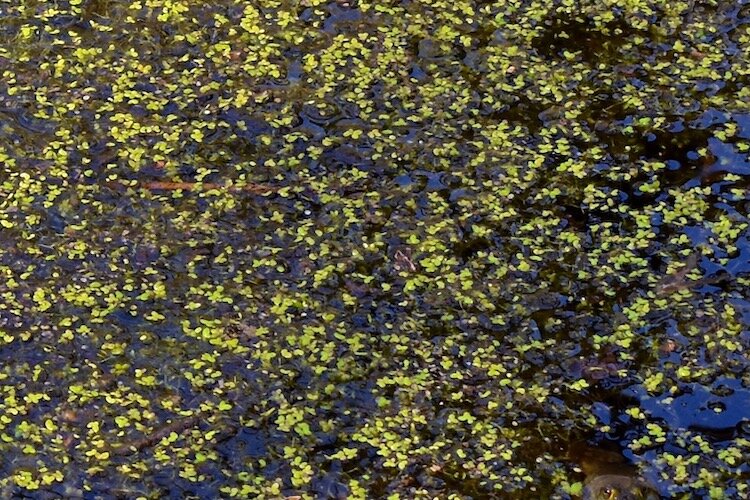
<point>677,280</point>
<point>194,186</point>
<point>149,440</point>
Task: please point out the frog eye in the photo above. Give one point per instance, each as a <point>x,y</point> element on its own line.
<point>611,493</point>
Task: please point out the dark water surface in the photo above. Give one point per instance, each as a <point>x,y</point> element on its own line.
<point>373,249</point>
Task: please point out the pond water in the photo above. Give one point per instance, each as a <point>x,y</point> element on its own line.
<point>374,249</point>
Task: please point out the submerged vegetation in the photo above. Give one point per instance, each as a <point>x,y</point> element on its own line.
<point>361,249</point>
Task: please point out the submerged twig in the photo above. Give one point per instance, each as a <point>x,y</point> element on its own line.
<point>178,426</point>
<point>195,186</point>
<point>678,280</point>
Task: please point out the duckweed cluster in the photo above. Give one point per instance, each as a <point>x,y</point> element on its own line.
<point>373,249</point>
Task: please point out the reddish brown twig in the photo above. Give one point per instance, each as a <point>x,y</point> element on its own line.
<point>678,280</point>
<point>404,261</point>
<point>197,186</point>
<point>191,186</point>
<point>178,426</point>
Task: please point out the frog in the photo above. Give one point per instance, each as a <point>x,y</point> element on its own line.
<point>617,487</point>
<point>610,477</point>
